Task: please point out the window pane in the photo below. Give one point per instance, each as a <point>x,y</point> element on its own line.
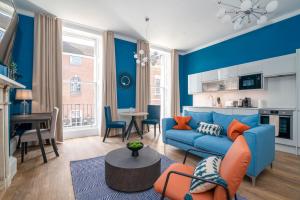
<point>79,81</point>
<point>160,80</point>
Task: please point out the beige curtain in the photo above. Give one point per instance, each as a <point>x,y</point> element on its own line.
<point>175,95</point>
<point>109,85</point>
<point>47,67</point>
<point>142,79</point>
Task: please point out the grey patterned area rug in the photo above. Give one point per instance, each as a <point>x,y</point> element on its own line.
<point>89,182</point>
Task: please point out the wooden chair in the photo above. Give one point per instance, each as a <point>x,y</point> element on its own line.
<point>112,124</point>
<point>153,118</point>
<point>47,134</point>
<point>175,181</point>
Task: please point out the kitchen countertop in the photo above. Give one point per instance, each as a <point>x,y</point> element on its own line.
<point>245,108</point>
<point>250,108</point>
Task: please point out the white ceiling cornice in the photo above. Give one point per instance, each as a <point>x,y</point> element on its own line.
<point>250,29</point>
<point>25,12</point>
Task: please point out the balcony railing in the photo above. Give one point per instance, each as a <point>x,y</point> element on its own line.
<point>79,115</point>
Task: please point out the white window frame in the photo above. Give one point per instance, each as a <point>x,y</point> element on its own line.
<point>165,82</point>
<point>97,37</point>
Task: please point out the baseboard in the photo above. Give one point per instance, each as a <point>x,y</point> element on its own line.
<point>287,149</point>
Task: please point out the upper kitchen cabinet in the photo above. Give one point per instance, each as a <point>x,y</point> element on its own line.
<point>283,65</point>
<point>228,73</point>
<point>195,83</point>
<point>250,68</point>
<point>209,76</point>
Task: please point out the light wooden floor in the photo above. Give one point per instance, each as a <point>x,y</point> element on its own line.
<point>38,181</point>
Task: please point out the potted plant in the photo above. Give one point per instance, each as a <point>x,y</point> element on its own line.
<point>135,146</point>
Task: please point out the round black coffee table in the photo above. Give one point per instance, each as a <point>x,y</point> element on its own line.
<point>131,174</point>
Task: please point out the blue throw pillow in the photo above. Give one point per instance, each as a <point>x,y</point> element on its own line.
<point>198,117</point>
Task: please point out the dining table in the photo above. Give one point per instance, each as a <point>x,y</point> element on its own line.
<point>36,119</point>
<point>133,122</point>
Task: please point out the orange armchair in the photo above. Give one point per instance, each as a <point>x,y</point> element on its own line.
<point>175,181</point>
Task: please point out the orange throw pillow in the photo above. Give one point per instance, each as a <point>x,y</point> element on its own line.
<point>182,122</point>
<point>235,129</point>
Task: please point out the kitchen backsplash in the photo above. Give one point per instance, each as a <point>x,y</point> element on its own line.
<point>278,92</point>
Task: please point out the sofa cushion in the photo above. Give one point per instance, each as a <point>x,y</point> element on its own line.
<point>249,120</point>
<point>209,129</point>
<point>214,144</point>
<point>184,136</point>
<point>224,120</point>
<point>182,122</point>
<point>198,117</point>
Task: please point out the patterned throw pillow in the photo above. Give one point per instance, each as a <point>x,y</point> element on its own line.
<point>207,169</point>
<point>209,129</point>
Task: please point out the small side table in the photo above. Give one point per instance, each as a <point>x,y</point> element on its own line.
<point>132,174</point>
<point>133,116</point>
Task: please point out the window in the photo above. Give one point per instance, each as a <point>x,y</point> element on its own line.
<point>76,117</point>
<point>75,60</point>
<point>156,85</point>
<point>160,80</point>
<point>75,85</point>
<point>81,75</point>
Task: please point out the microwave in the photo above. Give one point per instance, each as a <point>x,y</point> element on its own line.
<point>249,82</point>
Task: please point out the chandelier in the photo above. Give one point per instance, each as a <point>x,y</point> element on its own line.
<point>141,57</point>
<point>245,12</point>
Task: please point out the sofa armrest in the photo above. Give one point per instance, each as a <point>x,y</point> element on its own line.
<point>261,141</point>
<point>167,124</point>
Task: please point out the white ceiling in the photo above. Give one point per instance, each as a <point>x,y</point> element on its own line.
<point>179,24</point>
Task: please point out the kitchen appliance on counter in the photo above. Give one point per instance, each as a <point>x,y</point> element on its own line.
<point>281,119</point>
<point>246,102</point>
<point>231,103</point>
<point>249,82</point>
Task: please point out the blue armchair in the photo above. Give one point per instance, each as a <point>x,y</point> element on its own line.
<point>112,124</point>
<point>153,118</point>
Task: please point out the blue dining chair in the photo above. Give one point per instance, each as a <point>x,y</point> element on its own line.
<point>112,124</point>
<point>153,118</point>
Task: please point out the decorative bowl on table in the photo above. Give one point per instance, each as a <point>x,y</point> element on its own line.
<point>135,146</point>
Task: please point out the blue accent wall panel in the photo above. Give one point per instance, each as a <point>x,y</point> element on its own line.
<point>125,62</point>
<point>274,40</point>
<point>23,56</point>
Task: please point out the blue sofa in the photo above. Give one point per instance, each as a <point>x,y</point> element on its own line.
<point>260,138</point>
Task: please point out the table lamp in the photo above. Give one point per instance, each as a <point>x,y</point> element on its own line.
<point>24,95</point>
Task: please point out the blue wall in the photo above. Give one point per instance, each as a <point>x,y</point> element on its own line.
<point>125,62</point>
<point>23,56</point>
<point>274,40</point>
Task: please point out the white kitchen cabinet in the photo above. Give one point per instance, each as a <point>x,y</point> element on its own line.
<point>250,68</point>
<point>194,84</point>
<point>283,65</point>
<point>210,76</point>
<point>227,73</point>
